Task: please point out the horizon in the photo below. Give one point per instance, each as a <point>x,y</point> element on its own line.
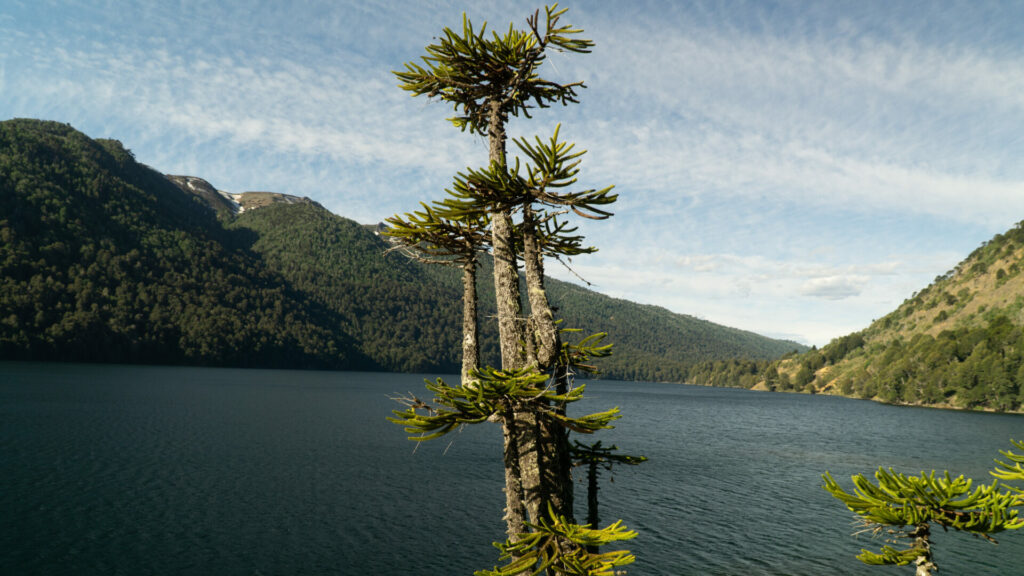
<point>791,169</point>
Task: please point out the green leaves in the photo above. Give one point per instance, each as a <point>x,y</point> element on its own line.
<point>436,235</point>
<point>473,71</point>
<point>1014,471</point>
<point>602,455</point>
<point>561,547</point>
<point>554,166</point>
<point>898,500</point>
<point>890,556</point>
<point>494,394</point>
<point>551,168</point>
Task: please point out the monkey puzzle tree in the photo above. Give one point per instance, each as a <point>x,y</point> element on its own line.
<point>597,457</point>
<point>489,79</point>
<point>435,236</point>
<point>539,190</point>
<point>900,501</point>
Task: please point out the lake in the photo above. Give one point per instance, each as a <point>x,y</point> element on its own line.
<point>157,470</point>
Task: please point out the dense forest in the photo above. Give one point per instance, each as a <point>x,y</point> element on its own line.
<point>957,343</point>
<point>103,259</point>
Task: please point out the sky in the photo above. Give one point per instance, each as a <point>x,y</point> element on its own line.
<point>796,169</point>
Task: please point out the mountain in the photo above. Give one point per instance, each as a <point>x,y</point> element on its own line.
<point>957,343</point>
<point>103,259</point>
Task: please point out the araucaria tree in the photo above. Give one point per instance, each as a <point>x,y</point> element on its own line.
<point>517,211</point>
<point>906,507</point>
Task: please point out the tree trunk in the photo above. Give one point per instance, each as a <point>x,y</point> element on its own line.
<point>470,339</point>
<point>506,292</point>
<point>506,274</point>
<point>922,539</point>
<point>530,462</point>
<point>546,345</point>
<point>557,455</point>
<point>519,429</point>
<point>515,511</point>
<point>592,517</point>
<point>544,332</point>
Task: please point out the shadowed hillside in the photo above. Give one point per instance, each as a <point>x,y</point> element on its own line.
<point>106,260</point>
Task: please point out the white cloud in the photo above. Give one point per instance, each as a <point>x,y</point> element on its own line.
<point>834,287</point>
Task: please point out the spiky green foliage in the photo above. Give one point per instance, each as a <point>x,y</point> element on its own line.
<point>435,236</point>
<point>560,547</point>
<point>597,457</point>
<point>603,456</point>
<point>470,69</point>
<point>889,556</point>
<point>576,357</point>
<point>898,500</point>
<point>550,168</point>
<point>492,393</point>
<point>1012,470</point>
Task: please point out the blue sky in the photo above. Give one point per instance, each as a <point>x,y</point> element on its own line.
<point>793,168</point>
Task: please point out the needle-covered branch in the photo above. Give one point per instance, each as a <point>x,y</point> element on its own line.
<point>553,167</point>
<point>602,456</point>
<point>1012,470</point>
<point>898,500</point>
<point>557,546</point>
<point>579,355</point>
<point>490,394</point>
<point>437,237</point>
<point>471,69</point>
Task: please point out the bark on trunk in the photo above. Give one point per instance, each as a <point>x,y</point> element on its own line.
<point>515,425</point>
<point>592,517</point>
<point>557,456</point>
<point>470,340</point>
<point>922,539</point>
<point>555,464</point>
<point>544,333</point>
<point>506,292</point>
<point>506,274</point>
<point>530,438</point>
<point>515,511</point>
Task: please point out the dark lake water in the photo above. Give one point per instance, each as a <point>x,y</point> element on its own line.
<point>152,470</point>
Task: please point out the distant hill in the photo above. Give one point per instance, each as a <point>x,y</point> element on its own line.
<point>104,259</point>
<point>957,343</point>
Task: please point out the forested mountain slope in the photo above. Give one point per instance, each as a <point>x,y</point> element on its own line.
<point>408,314</point>
<point>957,343</point>
<point>104,259</point>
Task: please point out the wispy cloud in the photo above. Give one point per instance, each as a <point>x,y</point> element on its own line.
<point>853,121</point>
<point>834,287</point>
<point>784,167</point>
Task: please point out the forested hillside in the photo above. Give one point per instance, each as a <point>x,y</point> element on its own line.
<point>406,316</point>
<point>958,343</point>
<point>103,259</point>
